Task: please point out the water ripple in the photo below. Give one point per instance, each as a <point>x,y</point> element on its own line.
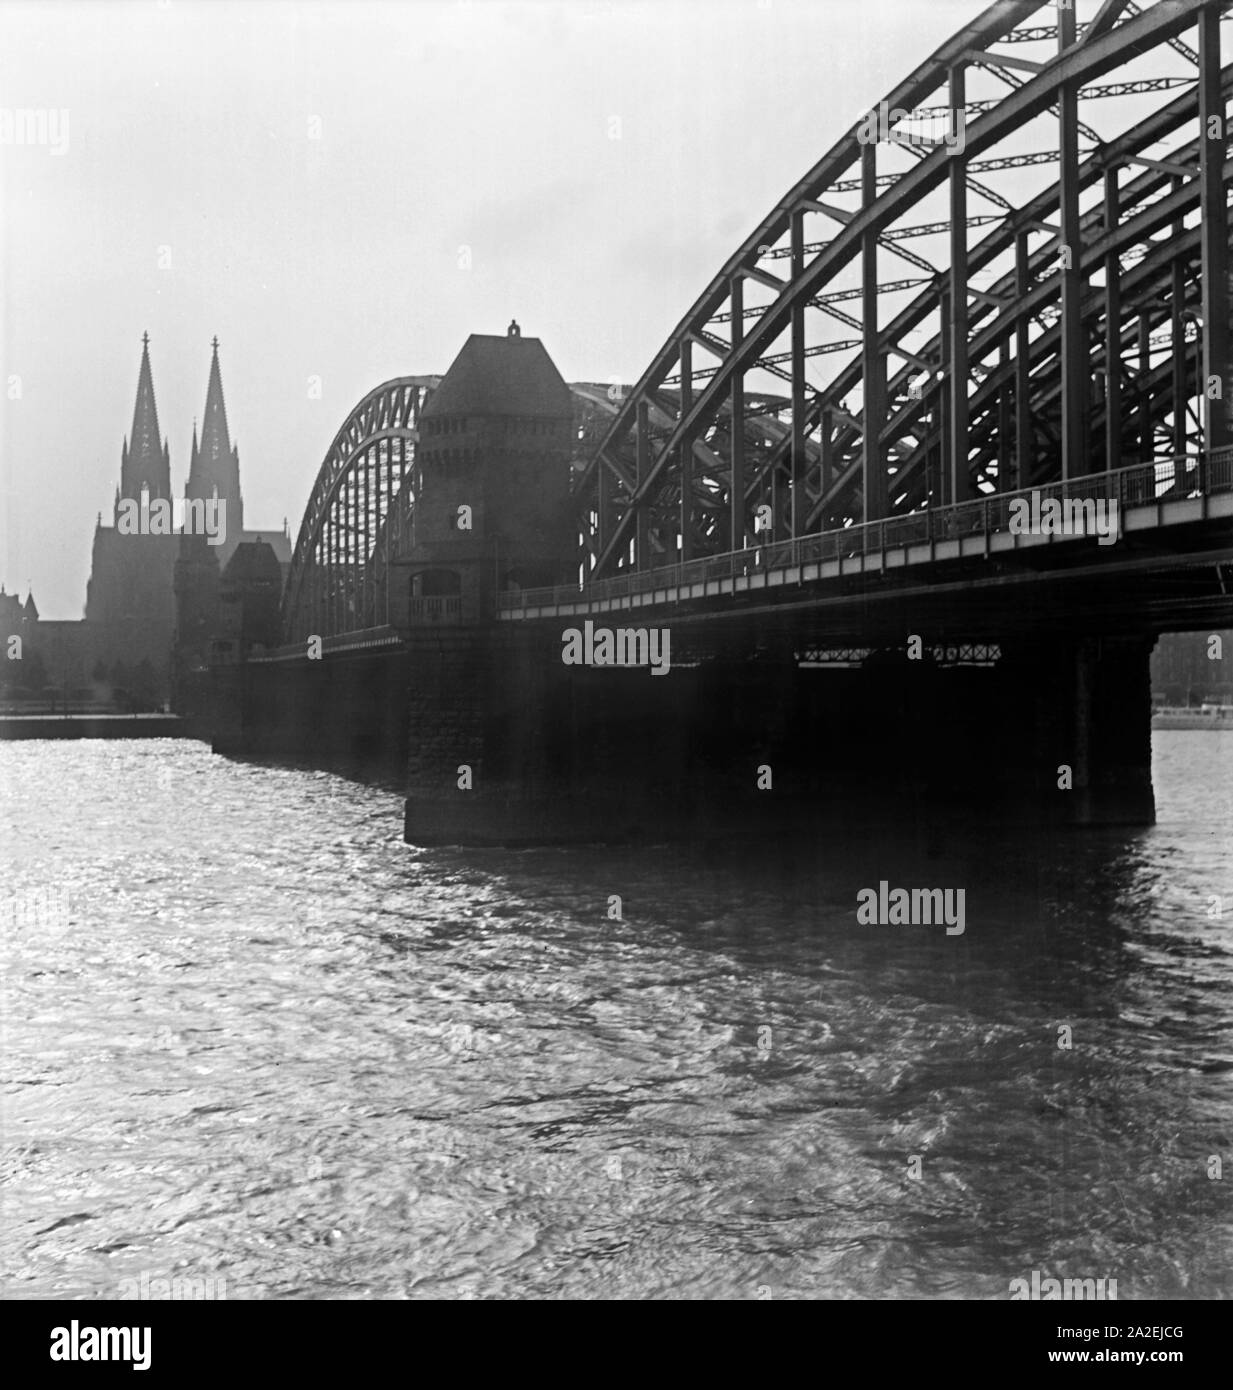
<point>250,1035</point>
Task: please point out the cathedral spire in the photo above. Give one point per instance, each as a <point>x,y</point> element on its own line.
<point>215,439</point>
<point>215,464</point>
<point>145,461</point>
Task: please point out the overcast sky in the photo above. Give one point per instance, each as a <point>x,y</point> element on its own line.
<point>300,179</point>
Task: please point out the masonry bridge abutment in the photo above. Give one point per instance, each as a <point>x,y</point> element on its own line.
<point>493,739</point>
<point>750,735</point>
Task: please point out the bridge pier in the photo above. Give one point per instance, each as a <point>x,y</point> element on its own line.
<point>496,741</point>
<point>1100,725</point>
<point>507,745</point>
<point>346,712</point>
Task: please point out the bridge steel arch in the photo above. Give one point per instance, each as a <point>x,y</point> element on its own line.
<point>358,502</point>
<point>359,514</point>
<point>1051,332</point>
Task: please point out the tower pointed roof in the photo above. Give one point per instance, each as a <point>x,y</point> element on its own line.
<point>214,467</point>
<point>509,375</point>
<point>145,461</point>
<point>215,437</point>
<point>144,433</point>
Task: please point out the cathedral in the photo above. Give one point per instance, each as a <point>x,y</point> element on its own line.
<point>152,602</point>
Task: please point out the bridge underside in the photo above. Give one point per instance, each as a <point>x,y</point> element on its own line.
<point>793,737</point>
<point>766,722</point>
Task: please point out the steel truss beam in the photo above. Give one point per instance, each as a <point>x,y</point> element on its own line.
<point>1017,375</point>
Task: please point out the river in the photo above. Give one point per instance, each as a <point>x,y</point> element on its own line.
<point>252,1039</point>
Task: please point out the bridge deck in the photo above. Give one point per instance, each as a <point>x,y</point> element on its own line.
<point>1150,497</point>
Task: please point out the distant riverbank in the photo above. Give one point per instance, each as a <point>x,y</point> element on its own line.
<point>1216,717</point>
<point>92,726</point>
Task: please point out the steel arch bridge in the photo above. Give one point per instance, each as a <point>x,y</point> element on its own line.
<point>1015,272</point>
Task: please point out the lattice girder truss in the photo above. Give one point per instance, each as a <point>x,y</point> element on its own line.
<point>360,503</point>
<point>1056,331</point>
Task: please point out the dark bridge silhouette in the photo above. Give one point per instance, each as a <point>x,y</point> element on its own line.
<point>1008,288</point>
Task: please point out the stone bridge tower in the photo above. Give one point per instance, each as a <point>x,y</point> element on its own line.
<point>492,504</point>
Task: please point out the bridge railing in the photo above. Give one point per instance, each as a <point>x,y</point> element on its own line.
<point>1168,479</point>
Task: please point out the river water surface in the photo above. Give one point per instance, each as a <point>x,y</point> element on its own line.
<point>250,1037</point>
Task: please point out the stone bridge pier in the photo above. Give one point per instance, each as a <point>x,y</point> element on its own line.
<point>508,744</point>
